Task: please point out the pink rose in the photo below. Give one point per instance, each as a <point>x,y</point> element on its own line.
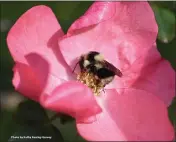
<point>133,107</point>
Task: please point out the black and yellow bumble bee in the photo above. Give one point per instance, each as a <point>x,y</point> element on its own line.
<point>93,62</point>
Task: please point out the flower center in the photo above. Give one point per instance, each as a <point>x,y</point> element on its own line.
<point>90,80</point>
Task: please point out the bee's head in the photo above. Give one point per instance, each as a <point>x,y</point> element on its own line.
<point>91,58</point>
<point>94,56</point>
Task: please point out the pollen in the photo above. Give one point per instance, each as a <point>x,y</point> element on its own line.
<point>90,80</point>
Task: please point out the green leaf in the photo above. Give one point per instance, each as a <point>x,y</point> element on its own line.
<point>66,119</point>
<point>64,9</point>
<point>31,113</point>
<point>166,23</point>
<point>57,133</point>
<point>69,131</point>
<point>68,12</point>
<point>33,124</point>
<point>171,5</point>
<point>168,51</point>
<point>63,118</point>
<point>7,125</point>
<point>172,114</point>
<point>15,9</point>
<point>28,133</point>
<point>6,65</point>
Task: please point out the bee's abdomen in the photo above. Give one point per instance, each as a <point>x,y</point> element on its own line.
<point>105,73</point>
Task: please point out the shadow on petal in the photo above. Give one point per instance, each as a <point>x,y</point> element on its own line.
<point>40,67</point>
<point>31,80</point>
<point>53,44</point>
<point>72,98</point>
<point>25,81</point>
<point>80,31</point>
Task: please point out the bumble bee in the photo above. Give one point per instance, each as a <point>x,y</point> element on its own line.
<point>103,71</point>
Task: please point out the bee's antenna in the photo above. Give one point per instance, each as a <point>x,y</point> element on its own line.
<point>75,67</point>
<point>103,90</point>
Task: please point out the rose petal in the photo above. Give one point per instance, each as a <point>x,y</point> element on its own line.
<point>36,32</point>
<point>72,98</point>
<point>134,116</point>
<point>118,30</point>
<point>149,73</point>
<point>26,82</point>
<point>159,79</point>
<point>150,76</point>
<point>133,73</point>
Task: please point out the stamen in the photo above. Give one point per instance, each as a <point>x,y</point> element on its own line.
<point>90,80</point>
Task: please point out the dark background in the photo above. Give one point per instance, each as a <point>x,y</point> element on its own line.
<point>14,119</point>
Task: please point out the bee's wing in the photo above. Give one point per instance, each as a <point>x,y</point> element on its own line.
<point>113,68</point>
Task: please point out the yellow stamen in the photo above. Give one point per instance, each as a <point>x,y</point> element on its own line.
<point>90,80</point>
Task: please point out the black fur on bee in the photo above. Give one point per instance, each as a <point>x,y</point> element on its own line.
<point>93,62</point>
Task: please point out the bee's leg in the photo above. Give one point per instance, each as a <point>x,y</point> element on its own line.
<point>103,90</point>
<point>75,67</point>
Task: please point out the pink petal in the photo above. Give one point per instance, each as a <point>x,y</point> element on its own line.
<point>159,79</point>
<point>133,73</point>
<point>134,116</point>
<point>118,30</point>
<point>149,73</point>
<point>34,37</point>
<point>25,80</point>
<point>72,98</point>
